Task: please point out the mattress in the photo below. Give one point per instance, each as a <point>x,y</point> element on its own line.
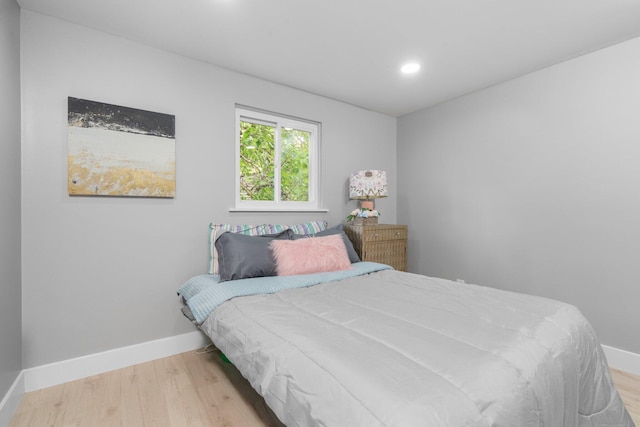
<point>391,348</point>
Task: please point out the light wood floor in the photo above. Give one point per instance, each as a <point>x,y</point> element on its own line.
<point>188,389</point>
<point>628,386</point>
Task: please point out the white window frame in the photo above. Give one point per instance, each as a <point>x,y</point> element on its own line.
<point>279,121</point>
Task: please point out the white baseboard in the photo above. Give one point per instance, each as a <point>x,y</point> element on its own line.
<point>93,364</point>
<point>622,359</point>
<point>11,401</point>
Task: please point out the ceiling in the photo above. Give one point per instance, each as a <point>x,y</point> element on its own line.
<point>352,50</point>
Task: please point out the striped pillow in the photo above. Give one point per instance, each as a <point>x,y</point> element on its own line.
<point>215,230</point>
<point>311,227</point>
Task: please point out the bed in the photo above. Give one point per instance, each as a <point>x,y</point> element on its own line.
<point>371,346</point>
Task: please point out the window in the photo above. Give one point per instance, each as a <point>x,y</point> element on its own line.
<point>276,161</point>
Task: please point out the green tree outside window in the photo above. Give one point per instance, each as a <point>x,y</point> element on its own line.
<point>262,147</point>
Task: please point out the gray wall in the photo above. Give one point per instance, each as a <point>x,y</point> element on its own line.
<point>101,273</point>
<point>533,186</point>
<point>10,301</point>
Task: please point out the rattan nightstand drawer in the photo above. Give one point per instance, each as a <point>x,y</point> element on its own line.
<point>383,243</point>
<point>381,233</point>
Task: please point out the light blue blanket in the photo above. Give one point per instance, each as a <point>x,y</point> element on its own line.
<point>205,292</point>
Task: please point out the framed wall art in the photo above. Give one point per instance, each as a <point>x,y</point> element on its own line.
<point>120,151</point>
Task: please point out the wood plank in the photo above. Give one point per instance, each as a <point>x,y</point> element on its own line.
<point>76,397</point>
<point>130,411</point>
<point>40,408</point>
<point>111,408</point>
<point>151,396</point>
<point>183,403</point>
<point>229,398</point>
<point>91,401</point>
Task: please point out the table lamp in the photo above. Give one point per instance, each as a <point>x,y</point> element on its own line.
<point>366,186</point>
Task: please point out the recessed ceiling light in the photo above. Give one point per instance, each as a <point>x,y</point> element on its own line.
<point>410,68</point>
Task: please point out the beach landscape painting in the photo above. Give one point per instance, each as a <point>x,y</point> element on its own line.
<point>120,151</point>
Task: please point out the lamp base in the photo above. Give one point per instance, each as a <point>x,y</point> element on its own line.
<point>367,204</point>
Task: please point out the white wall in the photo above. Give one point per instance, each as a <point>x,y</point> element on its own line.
<point>533,186</point>
<point>101,273</point>
<point>10,316</point>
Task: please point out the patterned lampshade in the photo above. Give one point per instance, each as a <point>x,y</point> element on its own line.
<point>368,184</point>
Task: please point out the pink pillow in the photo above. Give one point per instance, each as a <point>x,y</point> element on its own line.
<point>310,255</point>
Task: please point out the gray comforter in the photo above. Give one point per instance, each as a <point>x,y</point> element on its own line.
<point>399,349</point>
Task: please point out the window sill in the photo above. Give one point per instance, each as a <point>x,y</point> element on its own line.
<point>320,210</point>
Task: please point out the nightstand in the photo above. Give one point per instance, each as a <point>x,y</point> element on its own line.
<point>383,243</point>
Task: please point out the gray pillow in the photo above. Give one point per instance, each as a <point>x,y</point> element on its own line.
<point>338,229</point>
<point>242,257</point>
